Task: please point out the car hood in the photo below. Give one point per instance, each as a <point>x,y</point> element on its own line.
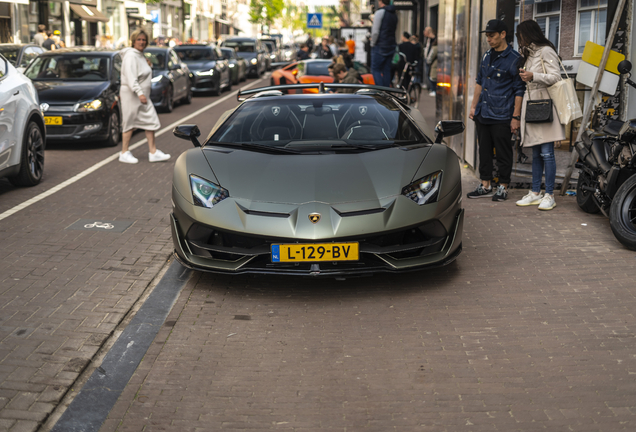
<point>330,178</point>
<point>200,65</point>
<point>56,92</point>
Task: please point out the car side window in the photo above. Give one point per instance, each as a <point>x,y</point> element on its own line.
<point>117,68</point>
<point>29,54</point>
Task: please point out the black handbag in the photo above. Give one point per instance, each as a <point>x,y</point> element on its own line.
<point>539,110</point>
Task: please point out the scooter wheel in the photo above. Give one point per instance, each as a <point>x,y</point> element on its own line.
<point>585,198</point>
<point>623,213</point>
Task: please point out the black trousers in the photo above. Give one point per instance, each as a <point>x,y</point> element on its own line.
<point>499,137</point>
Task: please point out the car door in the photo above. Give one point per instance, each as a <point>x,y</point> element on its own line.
<point>223,66</point>
<point>9,98</point>
<point>179,77</point>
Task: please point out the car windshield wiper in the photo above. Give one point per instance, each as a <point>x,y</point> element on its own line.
<point>253,146</point>
<point>364,146</point>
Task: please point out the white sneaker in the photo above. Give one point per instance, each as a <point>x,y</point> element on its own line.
<point>530,199</point>
<point>432,93</point>
<point>158,156</point>
<point>127,157</point>
<point>547,203</point>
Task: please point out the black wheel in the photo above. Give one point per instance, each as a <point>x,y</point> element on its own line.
<point>244,77</point>
<point>188,97</point>
<point>237,80</point>
<point>229,84</point>
<point>623,214</point>
<point>585,198</point>
<point>414,95</point>
<point>168,105</point>
<point>217,88</point>
<point>32,158</point>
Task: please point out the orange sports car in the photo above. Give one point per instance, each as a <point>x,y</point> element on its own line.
<point>313,71</point>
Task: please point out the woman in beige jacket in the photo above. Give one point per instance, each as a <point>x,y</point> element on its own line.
<point>539,69</point>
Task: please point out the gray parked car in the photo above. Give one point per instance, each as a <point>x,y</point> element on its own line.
<point>210,71</point>
<point>20,55</point>
<point>238,65</point>
<point>253,51</point>
<point>22,132</point>
<point>318,184</point>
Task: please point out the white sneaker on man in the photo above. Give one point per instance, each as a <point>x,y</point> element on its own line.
<point>158,156</point>
<point>547,203</point>
<point>530,199</point>
<point>127,157</point>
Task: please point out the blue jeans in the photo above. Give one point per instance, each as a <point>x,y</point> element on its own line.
<point>543,155</point>
<point>381,57</point>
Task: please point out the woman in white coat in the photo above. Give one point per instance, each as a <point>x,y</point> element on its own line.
<point>539,68</point>
<point>134,98</point>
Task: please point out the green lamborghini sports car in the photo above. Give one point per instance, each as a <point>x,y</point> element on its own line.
<point>321,184</point>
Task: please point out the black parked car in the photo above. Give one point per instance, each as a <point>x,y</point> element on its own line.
<point>275,55</point>
<point>210,72</point>
<point>170,78</point>
<point>238,65</point>
<point>20,55</point>
<point>254,53</point>
<point>78,90</point>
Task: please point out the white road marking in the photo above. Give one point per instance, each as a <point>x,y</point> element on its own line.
<point>109,159</point>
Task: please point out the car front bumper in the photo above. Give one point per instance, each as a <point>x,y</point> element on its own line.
<point>204,83</point>
<point>78,126</point>
<point>432,241</point>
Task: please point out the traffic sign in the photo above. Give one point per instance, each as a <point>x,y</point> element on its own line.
<point>314,20</point>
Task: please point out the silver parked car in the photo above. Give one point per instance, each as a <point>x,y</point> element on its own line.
<point>22,132</point>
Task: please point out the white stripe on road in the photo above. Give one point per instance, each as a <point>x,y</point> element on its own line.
<point>98,165</point>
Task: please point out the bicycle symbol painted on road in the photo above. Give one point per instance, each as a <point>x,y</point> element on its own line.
<point>104,225</point>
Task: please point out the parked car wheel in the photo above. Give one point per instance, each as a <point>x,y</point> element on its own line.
<point>114,126</point>
<point>169,104</point>
<point>217,88</point>
<point>32,159</point>
<point>188,97</point>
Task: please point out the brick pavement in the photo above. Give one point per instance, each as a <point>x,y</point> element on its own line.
<point>532,328</point>
<point>63,292</point>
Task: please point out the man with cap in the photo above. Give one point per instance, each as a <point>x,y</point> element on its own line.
<point>496,110</point>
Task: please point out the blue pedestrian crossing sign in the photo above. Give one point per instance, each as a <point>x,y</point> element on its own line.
<point>314,20</point>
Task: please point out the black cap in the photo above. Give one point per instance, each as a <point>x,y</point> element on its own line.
<point>495,26</point>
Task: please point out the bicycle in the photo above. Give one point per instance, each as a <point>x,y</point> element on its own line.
<point>414,87</point>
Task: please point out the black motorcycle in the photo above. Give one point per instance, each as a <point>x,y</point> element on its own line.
<point>607,180</point>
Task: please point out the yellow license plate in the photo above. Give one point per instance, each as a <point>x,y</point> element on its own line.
<point>53,121</point>
<point>311,252</point>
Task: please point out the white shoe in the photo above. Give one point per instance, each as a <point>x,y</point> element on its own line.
<point>158,156</point>
<point>127,157</point>
<point>530,199</point>
<point>432,93</point>
<point>547,203</point>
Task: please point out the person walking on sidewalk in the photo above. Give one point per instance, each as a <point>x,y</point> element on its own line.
<point>137,109</point>
<point>539,67</point>
<point>496,110</point>
<point>40,36</point>
<point>383,43</point>
<point>351,45</point>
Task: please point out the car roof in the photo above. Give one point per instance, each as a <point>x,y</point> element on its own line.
<point>16,45</point>
<point>194,46</point>
<point>156,48</point>
<point>241,39</point>
<point>88,50</point>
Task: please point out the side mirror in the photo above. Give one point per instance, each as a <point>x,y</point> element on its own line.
<point>188,132</point>
<point>624,67</point>
<point>446,128</point>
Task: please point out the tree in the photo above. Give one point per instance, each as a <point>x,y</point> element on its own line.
<point>264,12</point>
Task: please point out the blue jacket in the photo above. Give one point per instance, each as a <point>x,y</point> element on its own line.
<point>500,84</point>
<point>384,25</point>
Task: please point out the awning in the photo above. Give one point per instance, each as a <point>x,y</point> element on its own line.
<point>88,13</point>
<point>223,21</point>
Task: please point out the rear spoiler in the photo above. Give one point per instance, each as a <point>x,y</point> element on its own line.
<point>321,86</point>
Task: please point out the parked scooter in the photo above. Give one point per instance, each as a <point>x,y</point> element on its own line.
<point>607,179</point>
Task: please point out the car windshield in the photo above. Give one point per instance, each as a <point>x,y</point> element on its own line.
<point>269,45</point>
<point>319,123</point>
<point>195,54</point>
<point>10,54</point>
<point>314,68</point>
<point>71,67</point>
<point>241,46</point>
<point>228,52</point>
<point>157,59</point>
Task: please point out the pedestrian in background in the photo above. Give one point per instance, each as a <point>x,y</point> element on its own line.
<point>383,43</point>
<point>40,36</point>
<point>333,47</point>
<point>310,42</point>
<point>49,43</point>
<point>343,76</point>
<point>367,48</point>
<point>418,56</point>
<point>303,52</point>
<point>324,52</point>
<point>431,62</point>
<point>539,68</point>
<point>429,33</point>
<point>496,110</point>
<point>351,45</point>
<point>134,94</point>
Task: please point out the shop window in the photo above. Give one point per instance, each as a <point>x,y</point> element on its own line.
<point>548,16</point>
<point>591,22</point>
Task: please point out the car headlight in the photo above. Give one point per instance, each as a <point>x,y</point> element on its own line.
<point>94,105</point>
<point>272,56</point>
<point>232,65</point>
<point>205,193</point>
<point>206,73</point>
<point>253,61</point>
<point>424,190</point>
<point>157,79</point>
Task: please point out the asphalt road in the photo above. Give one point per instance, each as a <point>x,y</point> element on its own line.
<point>532,328</point>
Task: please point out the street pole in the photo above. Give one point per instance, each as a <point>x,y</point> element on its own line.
<point>597,83</point>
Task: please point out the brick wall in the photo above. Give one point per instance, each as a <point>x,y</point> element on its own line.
<point>567,28</point>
